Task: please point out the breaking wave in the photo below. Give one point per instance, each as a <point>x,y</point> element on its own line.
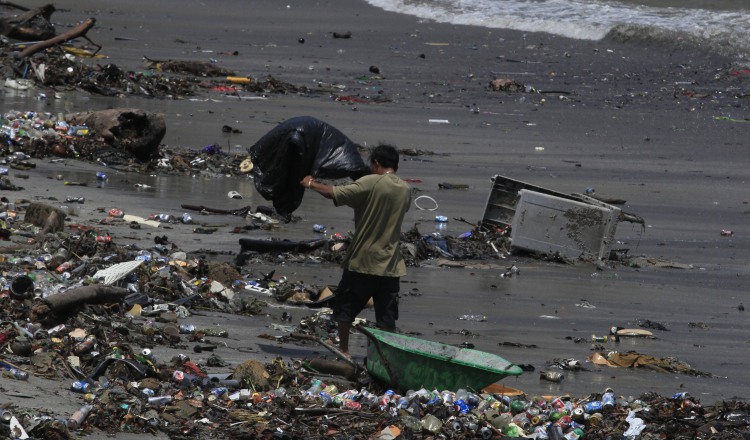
<point>723,30</point>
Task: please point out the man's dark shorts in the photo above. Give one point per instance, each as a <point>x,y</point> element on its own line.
<point>355,289</point>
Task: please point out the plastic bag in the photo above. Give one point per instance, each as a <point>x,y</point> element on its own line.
<point>296,148</point>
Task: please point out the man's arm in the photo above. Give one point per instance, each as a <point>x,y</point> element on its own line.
<point>321,188</point>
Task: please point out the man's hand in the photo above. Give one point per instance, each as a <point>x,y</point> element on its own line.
<point>321,188</point>
<point>307,181</point>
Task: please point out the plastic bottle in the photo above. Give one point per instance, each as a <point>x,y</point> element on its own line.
<point>411,422</point>
<point>186,218</point>
<point>511,430</point>
<point>367,399</point>
<point>448,397</point>
<point>477,318</point>
<point>431,423</point>
<point>541,433</point>
<point>574,434</point>
<point>422,394</point>
<point>64,267</point>
<point>187,329</point>
<point>403,403</point>
<point>75,420</point>
<point>166,218</point>
<point>501,420</point>
<point>461,394</point>
<point>472,400</point>
<point>555,432</point>
<point>319,229</point>
<point>517,406</point>
<point>441,218</point>
<point>159,400</point>
<point>316,387</point>
<point>219,391</point>
<point>552,376</point>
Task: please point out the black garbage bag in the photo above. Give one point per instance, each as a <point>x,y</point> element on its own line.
<point>296,148</point>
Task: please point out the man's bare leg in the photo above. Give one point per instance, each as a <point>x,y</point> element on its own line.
<point>344,329</point>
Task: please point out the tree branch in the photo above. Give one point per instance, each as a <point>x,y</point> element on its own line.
<point>76,32</point>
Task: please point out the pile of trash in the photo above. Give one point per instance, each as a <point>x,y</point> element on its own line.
<point>94,316</point>
<point>26,135</point>
<point>54,65</point>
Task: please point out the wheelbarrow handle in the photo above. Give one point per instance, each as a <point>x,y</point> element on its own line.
<point>330,347</point>
<point>376,343</point>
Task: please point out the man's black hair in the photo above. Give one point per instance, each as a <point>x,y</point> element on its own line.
<point>386,155</point>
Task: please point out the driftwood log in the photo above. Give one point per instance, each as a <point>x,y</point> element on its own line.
<point>338,368</point>
<point>60,306</point>
<point>131,130</point>
<point>47,217</point>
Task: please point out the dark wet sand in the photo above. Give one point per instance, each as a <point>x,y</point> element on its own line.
<point>636,123</point>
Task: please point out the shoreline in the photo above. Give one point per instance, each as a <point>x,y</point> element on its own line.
<point>637,123</point>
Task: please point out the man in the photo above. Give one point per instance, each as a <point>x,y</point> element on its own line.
<point>373,263</point>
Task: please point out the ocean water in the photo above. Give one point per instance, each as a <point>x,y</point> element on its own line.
<point>719,25</point>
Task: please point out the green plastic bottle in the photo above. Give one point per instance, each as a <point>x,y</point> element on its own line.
<point>517,406</point>
<point>511,430</point>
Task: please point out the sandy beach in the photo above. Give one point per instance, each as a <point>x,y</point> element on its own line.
<point>660,127</point>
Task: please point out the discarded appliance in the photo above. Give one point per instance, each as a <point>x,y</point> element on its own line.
<point>542,220</point>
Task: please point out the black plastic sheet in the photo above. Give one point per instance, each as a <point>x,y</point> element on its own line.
<point>296,148</point>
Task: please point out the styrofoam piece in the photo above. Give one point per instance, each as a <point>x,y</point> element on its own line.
<point>259,289</point>
<point>140,220</point>
<point>116,272</point>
